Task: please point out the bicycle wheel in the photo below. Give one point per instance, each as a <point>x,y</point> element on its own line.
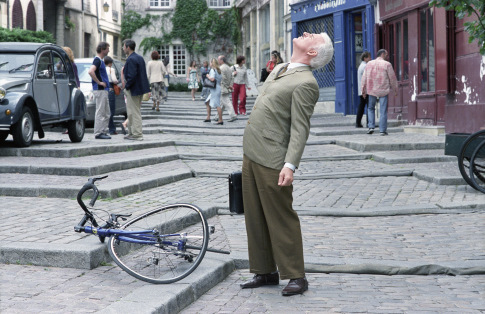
<point>477,168</point>
<point>176,250</point>
<point>466,152</point>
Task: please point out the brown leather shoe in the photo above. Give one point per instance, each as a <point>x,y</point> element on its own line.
<point>262,280</point>
<point>295,286</point>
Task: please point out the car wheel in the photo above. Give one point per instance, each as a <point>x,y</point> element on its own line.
<point>3,136</point>
<point>23,130</point>
<point>75,129</point>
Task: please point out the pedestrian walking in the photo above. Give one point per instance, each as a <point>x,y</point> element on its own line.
<point>166,81</point>
<point>156,72</point>
<point>204,70</point>
<point>365,57</point>
<point>377,81</point>
<point>135,86</point>
<point>192,78</point>
<point>273,143</point>
<point>100,83</point>
<point>240,73</point>
<point>113,80</point>
<point>226,89</point>
<point>214,99</point>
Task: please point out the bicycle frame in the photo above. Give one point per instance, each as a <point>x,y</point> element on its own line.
<point>149,237</point>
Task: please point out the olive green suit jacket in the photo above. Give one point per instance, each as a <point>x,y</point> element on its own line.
<point>279,125</point>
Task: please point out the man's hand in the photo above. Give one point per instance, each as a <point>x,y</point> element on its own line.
<point>102,84</point>
<point>286,177</point>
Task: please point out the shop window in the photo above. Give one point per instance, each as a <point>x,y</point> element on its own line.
<point>426,51</point>
<point>326,75</point>
<point>398,48</point>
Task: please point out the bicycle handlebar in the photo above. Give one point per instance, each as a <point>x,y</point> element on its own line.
<point>89,186</point>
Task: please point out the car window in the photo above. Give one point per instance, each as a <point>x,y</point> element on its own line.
<point>16,62</point>
<point>44,66</point>
<point>59,67</point>
<point>82,70</point>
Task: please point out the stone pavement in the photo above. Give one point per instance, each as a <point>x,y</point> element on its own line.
<point>389,225</point>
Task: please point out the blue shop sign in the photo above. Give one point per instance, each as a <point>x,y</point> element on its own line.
<point>311,9</point>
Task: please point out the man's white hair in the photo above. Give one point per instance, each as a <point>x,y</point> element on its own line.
<point>324,53</point>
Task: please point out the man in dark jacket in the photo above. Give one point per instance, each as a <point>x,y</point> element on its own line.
<point>136,85</point>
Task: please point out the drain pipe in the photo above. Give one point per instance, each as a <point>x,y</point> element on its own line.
<point>97,21</point>
<point>8,14</point>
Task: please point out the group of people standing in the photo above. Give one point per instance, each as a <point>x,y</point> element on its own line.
<point>135,83</point>
<point>226,79</point>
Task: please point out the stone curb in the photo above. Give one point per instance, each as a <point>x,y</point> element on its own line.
<point>348,132</point>
<point>70,151</point>
<point>172,298</point>
<point>436,209</point>
<point>116,189</point>
<point>105,166</point>
<point>365,147</point>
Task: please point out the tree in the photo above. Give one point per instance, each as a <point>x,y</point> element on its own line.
<point>467,8</point>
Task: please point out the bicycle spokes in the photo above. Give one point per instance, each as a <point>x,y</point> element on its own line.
<point>170,252</point>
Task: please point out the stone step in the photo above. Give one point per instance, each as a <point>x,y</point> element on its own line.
<point>122,182</point>
<point>91,165</point>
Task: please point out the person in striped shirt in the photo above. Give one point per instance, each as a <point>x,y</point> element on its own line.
<point>377,82</point>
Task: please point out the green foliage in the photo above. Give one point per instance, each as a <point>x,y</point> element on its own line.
<point>200,27</point>
<point>23,35</point>
<point>69,23</point>
<point>133,21</point>
<point>178,87</point>
<point>467,8</point>
<point>191,23</point>
<point>197,26</point>
<point>228,28</point>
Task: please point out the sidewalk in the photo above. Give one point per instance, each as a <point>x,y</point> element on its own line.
<point>369,206</point>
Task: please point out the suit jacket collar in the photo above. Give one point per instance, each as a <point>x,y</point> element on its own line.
<point>292,70</point>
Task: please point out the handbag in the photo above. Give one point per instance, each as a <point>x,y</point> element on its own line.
<point>117,89</point>
<point>208,83</point>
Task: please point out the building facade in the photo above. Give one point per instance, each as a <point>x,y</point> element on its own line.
<point>163,9</point>
<point>266,26</point>
<point>350,25</point>
<point>440,75</point>
<point>79,24</point>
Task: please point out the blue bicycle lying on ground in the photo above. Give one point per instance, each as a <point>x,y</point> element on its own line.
<point>161,246</point>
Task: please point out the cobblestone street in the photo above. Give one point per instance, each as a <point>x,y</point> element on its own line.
<point>388,224</point>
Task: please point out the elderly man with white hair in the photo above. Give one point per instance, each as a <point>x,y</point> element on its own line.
<point>273,143</point>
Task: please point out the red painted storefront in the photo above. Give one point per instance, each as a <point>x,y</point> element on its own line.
<point>441,77</point>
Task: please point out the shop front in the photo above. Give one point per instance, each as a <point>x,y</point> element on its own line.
<point>350,25</point>
<point>418,40</point>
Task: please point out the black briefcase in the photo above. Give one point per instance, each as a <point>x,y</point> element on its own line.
<point>235,193</point>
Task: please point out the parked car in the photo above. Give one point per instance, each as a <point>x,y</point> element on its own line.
<point>83,66</point>
<point>37,90</point>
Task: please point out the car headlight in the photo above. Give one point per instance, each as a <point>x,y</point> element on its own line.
<point>3,92</point>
